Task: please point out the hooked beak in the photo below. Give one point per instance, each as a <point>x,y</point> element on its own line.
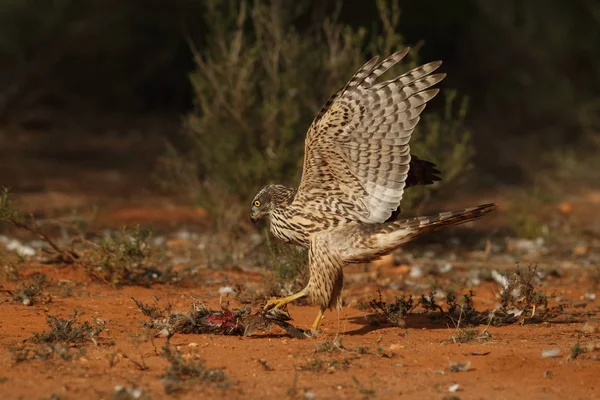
<point>254,220</point>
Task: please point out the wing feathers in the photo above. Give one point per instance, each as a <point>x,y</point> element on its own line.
<point>362,136</point>
<point>411,75</point>
<point>363,73</point>
<point>381,68</point>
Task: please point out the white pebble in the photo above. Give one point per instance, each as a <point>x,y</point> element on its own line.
<point>223,290</point>
<point>548,353</point>
<point>415,272</point>
<point>454,388</point>
<point>19,248</point>
<point>499,278</point>
<point>589,296</point>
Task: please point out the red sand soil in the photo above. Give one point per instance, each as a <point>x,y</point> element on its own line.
<point>271,365</point>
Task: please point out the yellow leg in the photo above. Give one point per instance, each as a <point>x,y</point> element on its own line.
<point>278,303</point>
<point>315,325</point>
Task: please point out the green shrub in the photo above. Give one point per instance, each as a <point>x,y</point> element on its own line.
<point>124,258</point>
<point>258,84</point>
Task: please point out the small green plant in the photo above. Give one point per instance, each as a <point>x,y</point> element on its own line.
<point>181,372</point>
<point>64,339</point>
<point>69,331</point>
<point>46,352</point>
<point>154,311</point>
<point>326,366</point>
<point>465,314</point>
<point>28,292</point>
<point>522,293</point>
<point>384,353</point>
<point>329,346</point>
<point>124,258</point>
<point>391,313</point>
<point>466,335</point>
<point>314,365</point>
<point>576,351</point>
<point>429,303</point>
<point>462,309</point>
<point>462,335</point>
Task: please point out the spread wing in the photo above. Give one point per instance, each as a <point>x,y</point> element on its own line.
<point>357,154</point>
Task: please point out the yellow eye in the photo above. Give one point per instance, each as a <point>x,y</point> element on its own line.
<point>257,203</point>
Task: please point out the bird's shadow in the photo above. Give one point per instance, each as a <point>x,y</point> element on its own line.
<point>372,323</point>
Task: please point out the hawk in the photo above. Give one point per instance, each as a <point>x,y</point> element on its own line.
<point>357,163</point>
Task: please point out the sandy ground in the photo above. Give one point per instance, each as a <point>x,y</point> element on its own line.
<point>413,361</point>
<point>531,360</point>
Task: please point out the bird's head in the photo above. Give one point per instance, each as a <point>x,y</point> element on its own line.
<point>269,198</point>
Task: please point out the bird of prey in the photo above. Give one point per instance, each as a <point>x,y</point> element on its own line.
<point>357,163</point>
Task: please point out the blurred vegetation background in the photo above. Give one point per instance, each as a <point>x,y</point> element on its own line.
<point>247,77</point>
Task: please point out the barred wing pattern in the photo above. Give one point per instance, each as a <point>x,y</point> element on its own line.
<point>357,151</point>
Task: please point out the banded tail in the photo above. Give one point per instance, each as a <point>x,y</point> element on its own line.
<point>374,240</point>
<point>394,234</point>
<point>441,220</point>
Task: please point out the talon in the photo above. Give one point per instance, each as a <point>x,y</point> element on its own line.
<point>278,303</point>
<point>311,334</point>
<point>274,303</point>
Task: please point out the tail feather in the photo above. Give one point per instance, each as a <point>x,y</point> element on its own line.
<point>370,241</point>
<point>441,220</point>
<point>394,234</point>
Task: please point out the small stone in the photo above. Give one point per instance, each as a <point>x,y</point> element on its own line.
<point>163,333</point>
<point>589,296</point>
<point>453,388</point>
<point>550,353</point>
<point>443,269</point>
<point>224,290</point>
<point>415,272</point>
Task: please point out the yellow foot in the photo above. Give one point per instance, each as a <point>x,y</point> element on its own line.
<point>315,325</point>
<point>278,303</point>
